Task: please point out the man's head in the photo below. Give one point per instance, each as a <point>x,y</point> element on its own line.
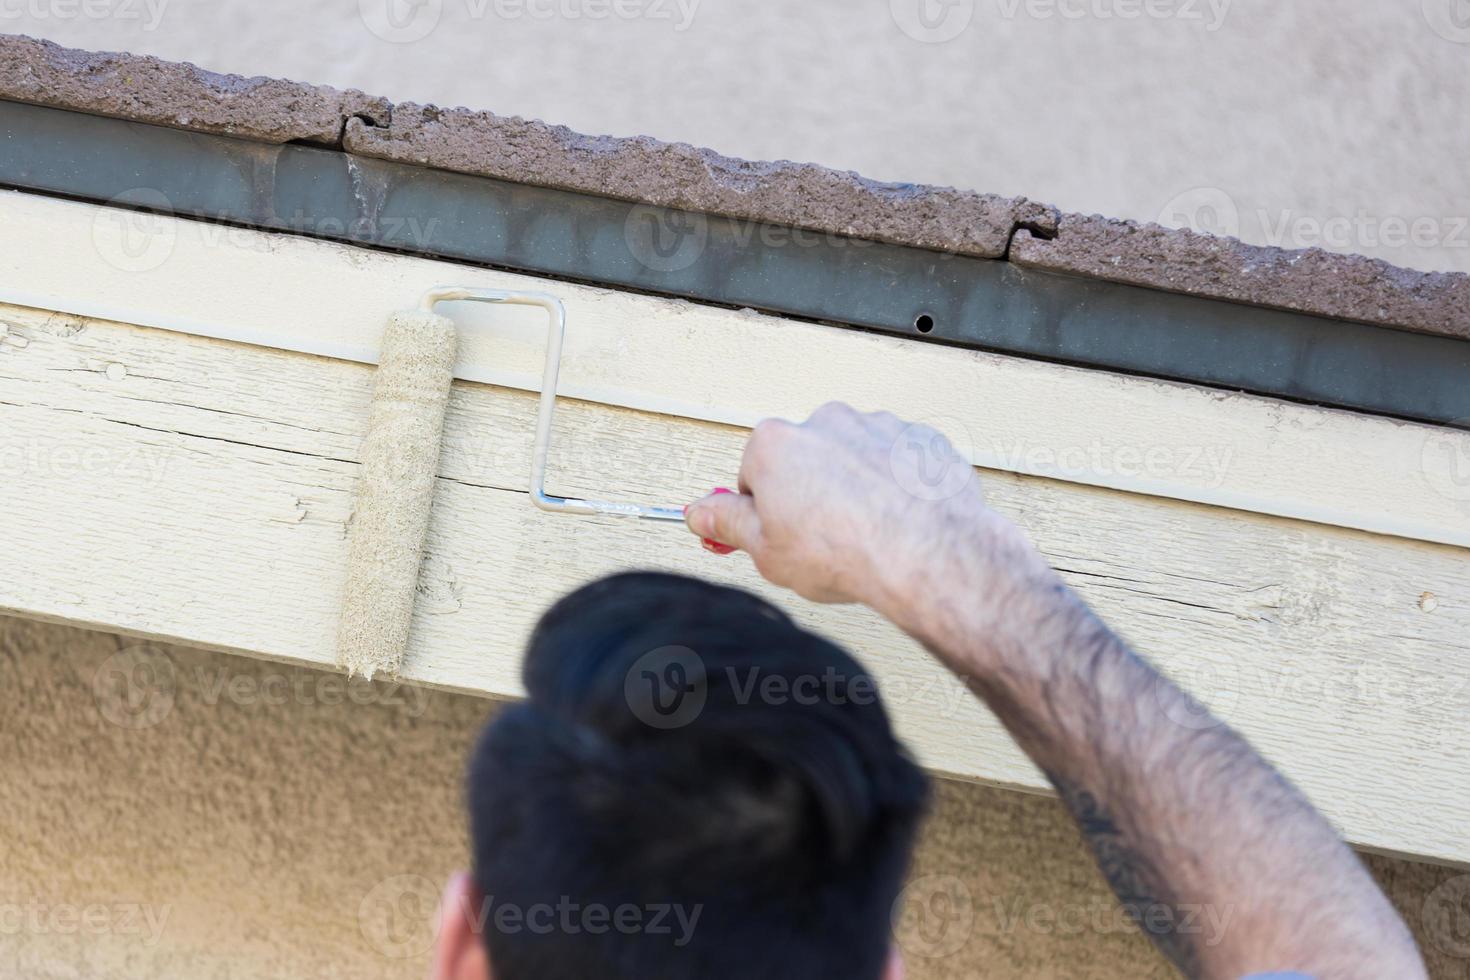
<point>695,788</point>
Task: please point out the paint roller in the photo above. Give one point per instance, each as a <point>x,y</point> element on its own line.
<point>399,468</point>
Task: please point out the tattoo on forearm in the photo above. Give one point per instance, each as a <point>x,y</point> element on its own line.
<point>1142,891</point>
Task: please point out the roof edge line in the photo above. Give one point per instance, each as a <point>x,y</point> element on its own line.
<point>642,170</point>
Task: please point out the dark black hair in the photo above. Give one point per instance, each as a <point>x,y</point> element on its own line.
<point>689,754</point>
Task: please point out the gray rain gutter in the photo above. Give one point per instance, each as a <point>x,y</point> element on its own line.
<point>926,295</point>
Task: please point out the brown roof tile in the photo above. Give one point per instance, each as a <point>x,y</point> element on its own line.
<point>1348,287</point>
<point>678,175</point>
<point>180,95</point>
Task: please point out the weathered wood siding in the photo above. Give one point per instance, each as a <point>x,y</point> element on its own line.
<point>197,490</point>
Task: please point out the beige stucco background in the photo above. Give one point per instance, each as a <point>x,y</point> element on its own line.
<point>175,813</point>
<point>1332,122</point>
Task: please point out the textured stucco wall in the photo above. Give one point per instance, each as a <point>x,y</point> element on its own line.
<point>175,813</point>
<point>1334,122</point>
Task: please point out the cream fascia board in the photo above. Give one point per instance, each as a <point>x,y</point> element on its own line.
<point>677,358</point>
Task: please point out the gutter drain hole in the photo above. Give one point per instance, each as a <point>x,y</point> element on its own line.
<point>923,323</point>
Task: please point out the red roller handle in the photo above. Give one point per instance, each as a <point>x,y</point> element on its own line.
<point>710,544</point>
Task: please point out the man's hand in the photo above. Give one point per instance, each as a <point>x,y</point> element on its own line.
<point>852,507</point>
<point>847,507</point>
<point>1181,817</point>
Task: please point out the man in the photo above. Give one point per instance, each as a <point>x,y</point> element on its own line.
<point>654,771</point>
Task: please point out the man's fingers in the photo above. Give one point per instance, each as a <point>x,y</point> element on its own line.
<point>725,517</point>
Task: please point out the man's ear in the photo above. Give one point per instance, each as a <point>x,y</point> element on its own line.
<point>895,970</point>
<point>459,949</point>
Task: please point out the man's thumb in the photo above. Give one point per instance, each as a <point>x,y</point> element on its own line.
<point>726,518</point>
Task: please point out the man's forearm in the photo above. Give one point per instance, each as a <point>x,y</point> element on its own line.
<point>1188,823</point>
<point>1179,810</point>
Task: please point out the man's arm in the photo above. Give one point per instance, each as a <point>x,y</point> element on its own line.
<point>1184,818</point>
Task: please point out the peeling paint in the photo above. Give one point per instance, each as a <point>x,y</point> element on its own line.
<point>62,326</point>
<point>288,509</point>
<point>369,191</point>
<point>439,593</point>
